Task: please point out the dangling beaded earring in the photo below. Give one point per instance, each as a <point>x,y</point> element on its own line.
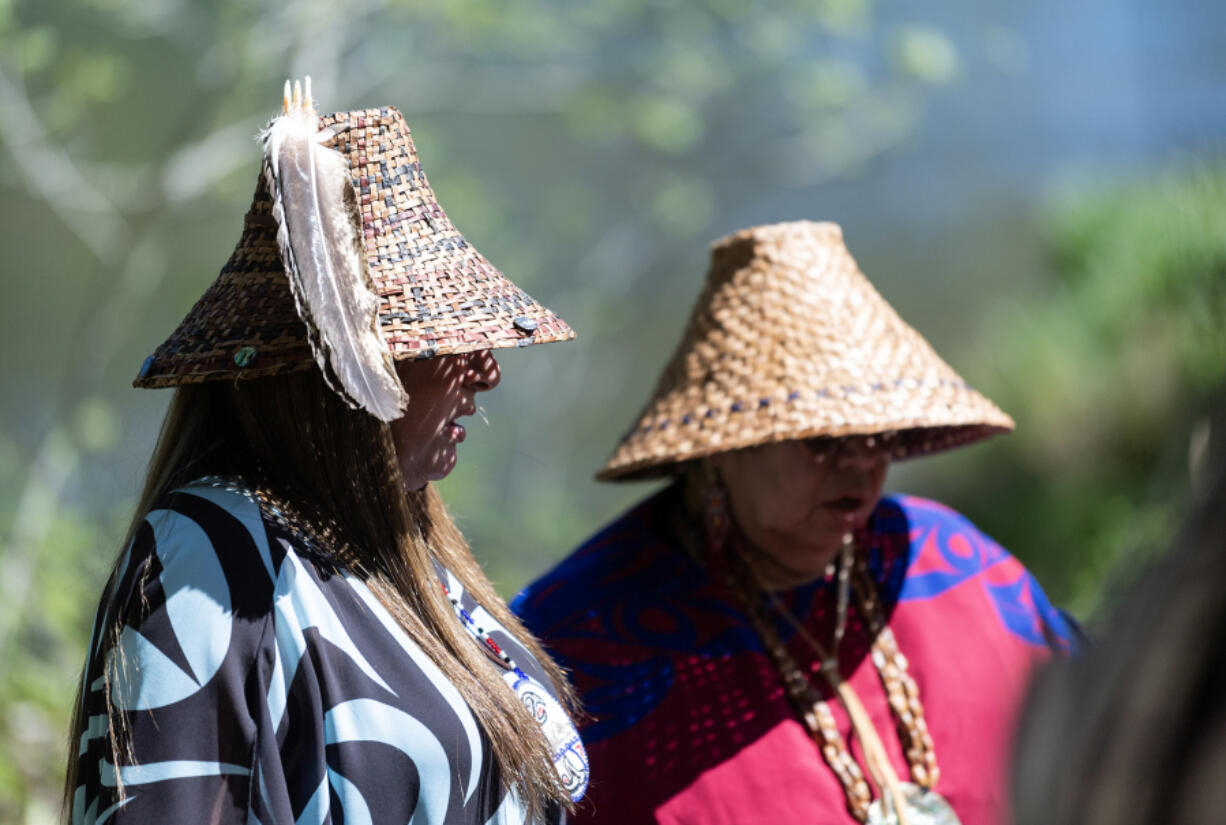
<point>715,513</point>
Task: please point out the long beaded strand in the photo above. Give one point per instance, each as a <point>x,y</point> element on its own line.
<point>901,689</point>
<point>813,708</point>
<point>807,700</point>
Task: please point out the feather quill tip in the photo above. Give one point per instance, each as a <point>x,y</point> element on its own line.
<point>296,97</point>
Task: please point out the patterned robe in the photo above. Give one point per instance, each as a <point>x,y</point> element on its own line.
<point>263,684</point>
<point>690,722</point>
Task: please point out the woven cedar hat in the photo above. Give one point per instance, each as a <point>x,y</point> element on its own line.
<point>436,294</point>
<point>789,340</point>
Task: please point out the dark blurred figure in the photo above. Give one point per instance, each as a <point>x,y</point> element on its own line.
<point>1134,732</point>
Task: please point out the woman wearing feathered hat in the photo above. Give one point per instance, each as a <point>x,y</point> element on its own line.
<point>296,630</point>
<point>769,639</point>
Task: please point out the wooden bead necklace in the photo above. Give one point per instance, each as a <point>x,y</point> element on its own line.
<point>900,802</point>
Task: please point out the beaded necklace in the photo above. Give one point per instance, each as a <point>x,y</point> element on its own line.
<point>565,745</point>
<point>903,803</point>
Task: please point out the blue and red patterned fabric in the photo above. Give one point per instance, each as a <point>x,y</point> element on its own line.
<point>689,719</point>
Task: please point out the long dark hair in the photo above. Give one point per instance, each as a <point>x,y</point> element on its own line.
<point>295,439</point>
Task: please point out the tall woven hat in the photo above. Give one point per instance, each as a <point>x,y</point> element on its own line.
<point>395,280</point>
<point>789,340</point>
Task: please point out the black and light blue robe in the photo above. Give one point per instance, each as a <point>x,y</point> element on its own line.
<point>263,684</point>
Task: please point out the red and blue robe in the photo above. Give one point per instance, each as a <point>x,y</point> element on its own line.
<point>689,719</point>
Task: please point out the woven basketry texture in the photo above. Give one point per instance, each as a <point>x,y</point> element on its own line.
<point>437,294</point>
<point>789,340</point>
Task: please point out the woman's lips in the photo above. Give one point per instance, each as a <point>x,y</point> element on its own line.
<point>455,430</point>
<point>846,510</point>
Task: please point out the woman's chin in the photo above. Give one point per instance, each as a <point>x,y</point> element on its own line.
<point>445,462</point>
<point>800,563</point>
<point>439,465</point>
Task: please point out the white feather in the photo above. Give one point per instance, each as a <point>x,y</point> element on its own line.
<point>319,233</point>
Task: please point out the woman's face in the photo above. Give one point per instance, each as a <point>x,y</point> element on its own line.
<point>441,391</point>
<point>795,500</point>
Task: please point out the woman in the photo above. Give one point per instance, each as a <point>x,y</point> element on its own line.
<point>297,632</point>
<point>769,639</point>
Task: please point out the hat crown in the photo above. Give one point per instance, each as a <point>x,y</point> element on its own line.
<point>400,214</point>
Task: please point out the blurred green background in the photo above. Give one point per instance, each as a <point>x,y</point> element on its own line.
<point>1040,188</point>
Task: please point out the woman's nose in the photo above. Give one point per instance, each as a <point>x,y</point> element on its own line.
<point>483,371</point>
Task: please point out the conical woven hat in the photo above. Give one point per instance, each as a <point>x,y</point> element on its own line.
<point>437,294</point>
<point>789,340</point>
